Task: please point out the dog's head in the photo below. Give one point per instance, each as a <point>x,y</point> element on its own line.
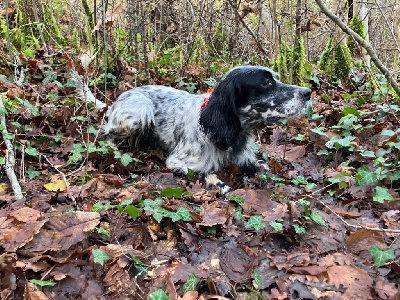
<point>247,96</point>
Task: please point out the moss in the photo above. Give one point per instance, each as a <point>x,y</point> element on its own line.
<point>199,48</point>
<point>325,62</point>
<point>299,59</point>
<point>76,41</point>
<point>357,25</point>
<point>3,27</point>
<point>282,62</point>
<point>340,67</point>
<point>219,40</point>
<point>343,62</point>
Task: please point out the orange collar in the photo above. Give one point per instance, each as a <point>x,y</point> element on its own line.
<point>209,91</point>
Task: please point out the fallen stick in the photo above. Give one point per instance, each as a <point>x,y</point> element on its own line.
<point>10,159</point>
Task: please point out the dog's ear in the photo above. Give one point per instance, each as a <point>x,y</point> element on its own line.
<point>219,118</point>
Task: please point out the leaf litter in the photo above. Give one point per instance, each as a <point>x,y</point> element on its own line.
<point>97,238</point>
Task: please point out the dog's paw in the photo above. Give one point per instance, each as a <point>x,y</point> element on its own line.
<point>224,189</point>
<point>262,167</point>
<point>212,180</point>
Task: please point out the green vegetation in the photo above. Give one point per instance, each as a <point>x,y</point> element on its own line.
<point>336,61</point>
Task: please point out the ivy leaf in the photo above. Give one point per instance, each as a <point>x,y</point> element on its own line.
<point>319,131</point>
<point>237,199</point>
<point>276,225</point>
<point>43,283</point>
<point>257,280</point>
<point>169,192</point>
<point>139,265</point>
<point>238,213</point>
<point>101,230</point>
<point>382,194</point>
<point>132,211</point>
<point>298,229</point>
<point>125,158</point>
<point>182,214</point>
<point>318,219</point>
<point>97,207</point>
<point>255,222</point>
<point>191,284</point>
<point>76,152</point>
<point>31,151</point>
<point>381,256</point>
<point>153,207</point>
<point>159,295</point>
<point>364,175</point>
<point>27,104</point>
<point>32,173</point>
<point>100,256</point>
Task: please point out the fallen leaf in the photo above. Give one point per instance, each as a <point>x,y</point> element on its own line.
<point>3,187</point>
<point>363,239</point>
<point>62,232</point>
<point>295,153</point>
<point>212,215</point>
<point>58,185</point>
<point>33,292</point>
<point>237,263</point>
<point>356,281</point>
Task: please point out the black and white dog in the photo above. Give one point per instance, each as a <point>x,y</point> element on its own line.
<point>204,132</point>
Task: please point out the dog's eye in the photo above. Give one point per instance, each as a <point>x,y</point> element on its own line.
<point>266,84</point>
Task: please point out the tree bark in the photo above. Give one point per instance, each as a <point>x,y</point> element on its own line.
<point>363,43</point>
<point>396,32</point>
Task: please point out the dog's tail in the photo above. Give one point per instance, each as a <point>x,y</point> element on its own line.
<point>83,91</point>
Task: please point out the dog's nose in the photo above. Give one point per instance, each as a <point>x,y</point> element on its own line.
<point>306,93</point>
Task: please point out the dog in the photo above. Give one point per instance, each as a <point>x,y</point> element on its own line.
<point>203,132</point>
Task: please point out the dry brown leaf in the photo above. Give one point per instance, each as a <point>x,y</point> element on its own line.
<point>62,232</point>
<point>32,292</point>
<point>299,258</point>
<point>118,280</point>
<point>180,271</point>
<point>15,234</point>
<point>295,153</point>
<point>356,281</point>
<point>255,201</point>
<point>212,215</point>
<point>26,214</point>
<point>170,289</point>
<point>190,295</point>
<point>362,239</point>
<point>237,263</point>
<point>383,289</point>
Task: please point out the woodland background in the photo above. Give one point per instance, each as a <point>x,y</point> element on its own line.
<point>81,220</point>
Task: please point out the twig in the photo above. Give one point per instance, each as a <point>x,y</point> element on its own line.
<point>347,223</point>
<point>10,159</point>
<point>249,29</point>
<point>363,43</point>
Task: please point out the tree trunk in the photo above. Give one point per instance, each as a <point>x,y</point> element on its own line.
<point>396,31</point>
<point>360,8</point>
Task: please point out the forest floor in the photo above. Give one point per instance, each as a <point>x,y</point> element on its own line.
<point>127,228</point>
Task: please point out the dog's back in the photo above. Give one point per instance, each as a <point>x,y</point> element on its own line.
<point>154,115</point>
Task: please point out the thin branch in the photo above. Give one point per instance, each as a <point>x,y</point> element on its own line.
<point>10,159</point>
<point>363,43</point>
<point>347,223</point>
<point>248,29</point>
